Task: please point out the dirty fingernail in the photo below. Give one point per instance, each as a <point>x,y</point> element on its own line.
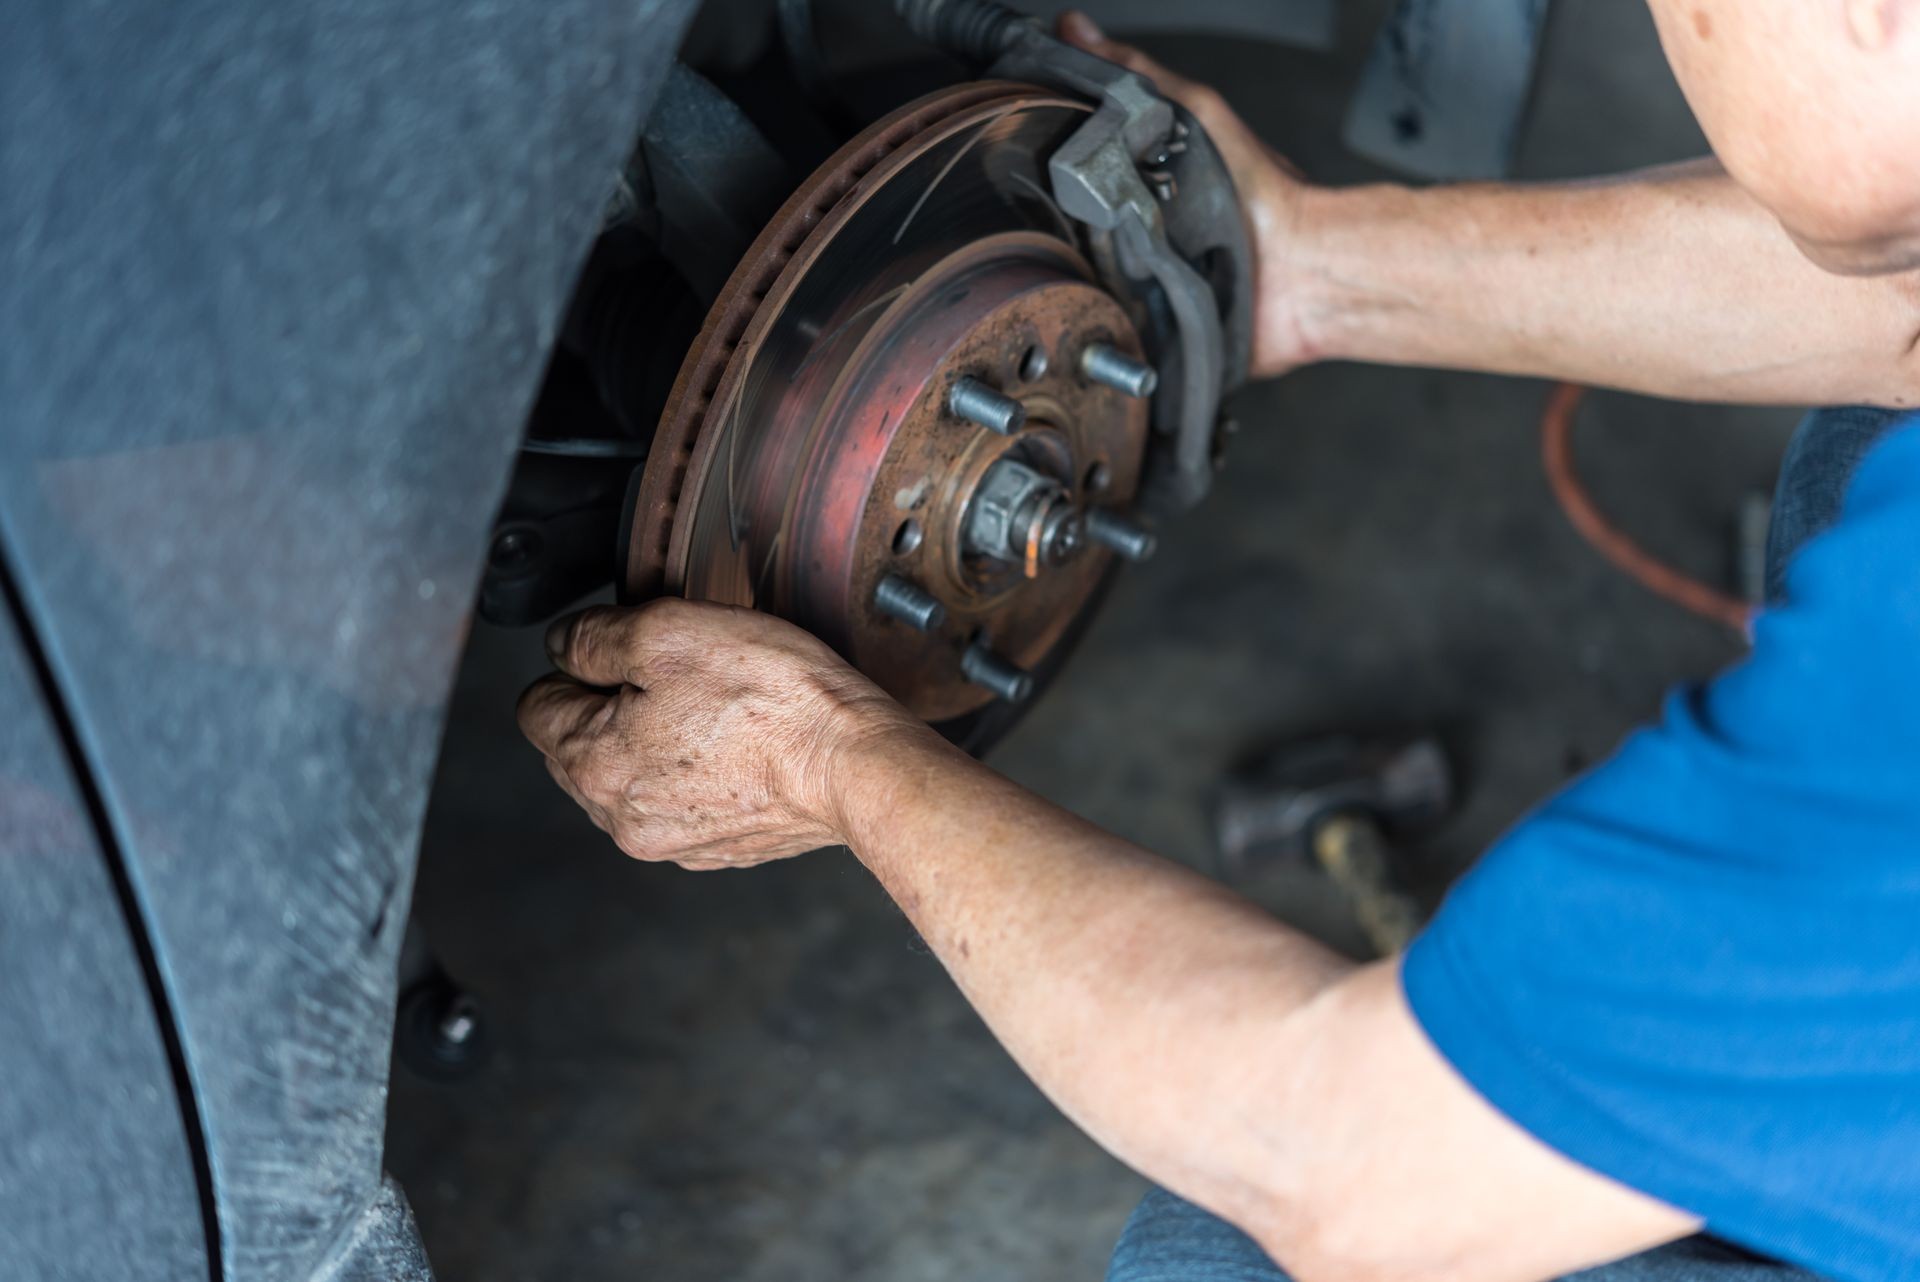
<point>557,633</point>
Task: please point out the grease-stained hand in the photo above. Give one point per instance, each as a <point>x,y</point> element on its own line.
<point>704,735</point>
<point>1271,190</point>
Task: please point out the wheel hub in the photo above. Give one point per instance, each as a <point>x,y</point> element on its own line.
<point>914,417</point>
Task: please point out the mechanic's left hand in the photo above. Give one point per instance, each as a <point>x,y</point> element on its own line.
<point>1271,191</point>
<point>704,735</point>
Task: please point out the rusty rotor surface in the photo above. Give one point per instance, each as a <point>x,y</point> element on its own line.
<point>807,449</point>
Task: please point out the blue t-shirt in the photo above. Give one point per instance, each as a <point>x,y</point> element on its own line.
<point>1697,969</point>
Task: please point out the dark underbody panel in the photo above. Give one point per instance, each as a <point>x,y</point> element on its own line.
<point>280,282</point>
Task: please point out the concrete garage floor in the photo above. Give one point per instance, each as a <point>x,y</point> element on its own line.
<point>763,1077</point>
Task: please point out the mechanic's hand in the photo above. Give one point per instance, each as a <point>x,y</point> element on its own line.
<point>704,735</point>
<point>1270,189</point>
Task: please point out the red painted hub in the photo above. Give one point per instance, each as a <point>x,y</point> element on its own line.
<point>809,451</point>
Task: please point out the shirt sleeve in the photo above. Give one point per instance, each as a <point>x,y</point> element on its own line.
<point>1697,970</point>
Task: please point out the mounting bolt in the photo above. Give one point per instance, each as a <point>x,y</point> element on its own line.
<point>980,665</point>
<point>908,602</point>
<point>1108,366</point>
<point>1123,535</point>
<point>982,405</point>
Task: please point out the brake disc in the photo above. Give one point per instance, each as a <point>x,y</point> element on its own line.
<point>815,460</point>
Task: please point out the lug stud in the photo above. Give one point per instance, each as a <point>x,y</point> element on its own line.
<point>980,665</point>
<point>1122,535</point>
<point>1110,367</point>
<point>909,603</point>
<point>985,407</point>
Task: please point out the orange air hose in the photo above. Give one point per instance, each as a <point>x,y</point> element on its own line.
<point>1556,452</point>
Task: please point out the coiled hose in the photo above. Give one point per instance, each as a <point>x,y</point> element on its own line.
<point>1608,539</point>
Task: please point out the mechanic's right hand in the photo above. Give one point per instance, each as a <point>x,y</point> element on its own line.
<point>1270,191</point>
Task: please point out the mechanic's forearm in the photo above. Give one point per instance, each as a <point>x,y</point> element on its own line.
<point>1144,999</point>
<point>1672,282</point>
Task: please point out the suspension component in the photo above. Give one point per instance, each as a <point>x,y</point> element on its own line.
<point>978,30</point>
<point>885,433</point>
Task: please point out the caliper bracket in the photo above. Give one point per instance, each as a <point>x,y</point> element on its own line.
<point>1097,180</point>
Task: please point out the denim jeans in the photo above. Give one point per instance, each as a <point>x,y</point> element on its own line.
<point>1814,476</point>
<point>1168,1240</point>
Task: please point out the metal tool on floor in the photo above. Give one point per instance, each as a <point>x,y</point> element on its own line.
<point>1337,801</point>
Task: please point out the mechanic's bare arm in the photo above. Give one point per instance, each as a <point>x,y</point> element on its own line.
<point>1219,1052</point>
<point>1672,281</point>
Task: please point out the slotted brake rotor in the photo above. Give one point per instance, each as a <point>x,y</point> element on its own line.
<point>913,421</point>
